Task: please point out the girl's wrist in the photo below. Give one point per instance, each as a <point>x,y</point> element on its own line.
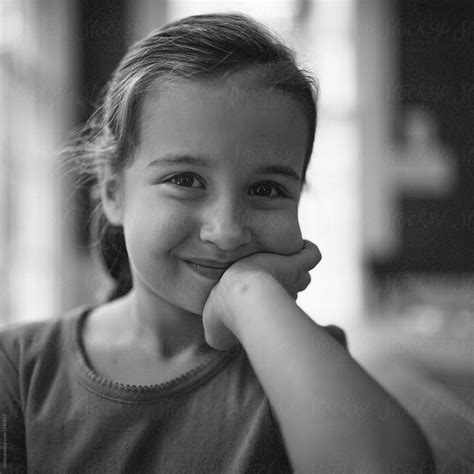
<point>240,290</point>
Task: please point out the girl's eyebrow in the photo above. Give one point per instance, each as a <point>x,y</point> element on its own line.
<point>283,170</point>
<point>172,159</point>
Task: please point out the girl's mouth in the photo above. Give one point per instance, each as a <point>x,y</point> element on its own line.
<point>211,273</point>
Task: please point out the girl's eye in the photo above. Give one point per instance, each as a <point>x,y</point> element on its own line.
<point>268,189</point>
<point>185,180</point>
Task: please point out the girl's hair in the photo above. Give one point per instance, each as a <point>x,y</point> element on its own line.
<point>202,48</point>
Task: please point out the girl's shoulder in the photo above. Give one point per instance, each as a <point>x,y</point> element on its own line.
<point>26,340</point>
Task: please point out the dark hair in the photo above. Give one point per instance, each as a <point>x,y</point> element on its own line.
<point>201,47</point>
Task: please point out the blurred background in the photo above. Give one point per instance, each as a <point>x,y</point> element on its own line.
<point>390,197</point>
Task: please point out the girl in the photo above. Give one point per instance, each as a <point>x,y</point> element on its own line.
<point>200,360</point>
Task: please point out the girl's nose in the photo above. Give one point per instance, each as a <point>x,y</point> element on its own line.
<point>226,226</point>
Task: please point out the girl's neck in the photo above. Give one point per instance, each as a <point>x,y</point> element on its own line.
<point>165,330</point>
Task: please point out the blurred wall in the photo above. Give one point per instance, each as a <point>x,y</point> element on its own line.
<point>37,95</point>
<point>428,164</point>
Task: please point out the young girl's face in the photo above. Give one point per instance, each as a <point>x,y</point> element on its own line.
<point>217,175</point>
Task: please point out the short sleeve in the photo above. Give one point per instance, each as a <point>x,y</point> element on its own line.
<point>13,453</point>
<point>337,333</point>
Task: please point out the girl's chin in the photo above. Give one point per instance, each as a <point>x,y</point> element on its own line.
<point>189,293</point>
<point>195,301</point>
<point>193,307</point>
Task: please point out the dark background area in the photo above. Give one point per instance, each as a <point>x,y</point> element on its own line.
<point>101,43</point>
<point>436,67</point>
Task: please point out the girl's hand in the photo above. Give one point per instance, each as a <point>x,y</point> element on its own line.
<point>290,271</point>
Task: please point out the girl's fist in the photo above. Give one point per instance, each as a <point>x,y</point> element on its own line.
<point>290,271</point>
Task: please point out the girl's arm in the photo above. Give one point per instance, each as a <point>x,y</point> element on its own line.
<point>333,416</point>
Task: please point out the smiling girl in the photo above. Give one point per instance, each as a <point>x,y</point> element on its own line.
<point>200,360</point>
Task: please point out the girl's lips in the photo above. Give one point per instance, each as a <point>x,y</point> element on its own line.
<point>207,272</point>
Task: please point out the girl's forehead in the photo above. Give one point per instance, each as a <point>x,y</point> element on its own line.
<point>235,118</point>
<point>239,91</point>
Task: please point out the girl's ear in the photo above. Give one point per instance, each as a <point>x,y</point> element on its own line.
<point>111,197</point>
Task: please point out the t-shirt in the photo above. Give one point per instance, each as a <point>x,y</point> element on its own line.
<point>59,416</point>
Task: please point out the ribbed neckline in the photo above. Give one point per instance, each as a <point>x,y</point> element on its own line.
<point>139,393</point>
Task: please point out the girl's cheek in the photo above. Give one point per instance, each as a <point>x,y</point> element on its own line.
<point>160,227</point>
<point>280,233</point>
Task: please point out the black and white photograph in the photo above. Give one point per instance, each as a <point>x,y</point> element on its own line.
<point>160,312</point>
